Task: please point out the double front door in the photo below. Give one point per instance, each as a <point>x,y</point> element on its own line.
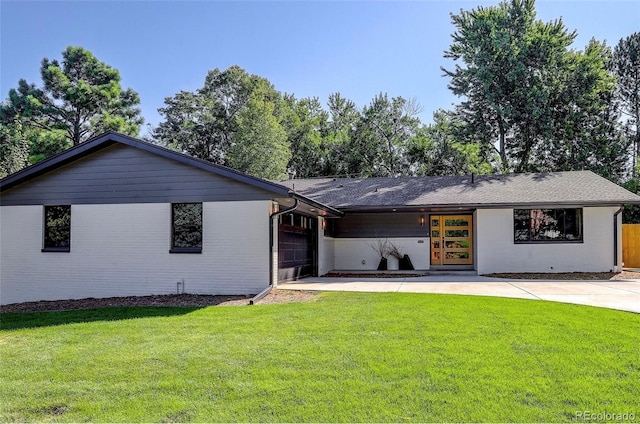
<point>451,239</point>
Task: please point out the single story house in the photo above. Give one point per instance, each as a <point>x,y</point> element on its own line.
<point>117,216</point>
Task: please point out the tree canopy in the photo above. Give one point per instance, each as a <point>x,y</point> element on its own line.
<point>235,120</point>
<point>530,101</point>
<point>625,65</point>
<point>530,98</point>
<point>80,98</point>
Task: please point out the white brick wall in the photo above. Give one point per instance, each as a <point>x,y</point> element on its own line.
<point>121,250</point>
<point>496,251</point>
<point>326,251</point>
<point>350,252</point>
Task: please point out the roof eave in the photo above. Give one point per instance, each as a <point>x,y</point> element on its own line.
<point>467,206</point>
<point>318,205</point>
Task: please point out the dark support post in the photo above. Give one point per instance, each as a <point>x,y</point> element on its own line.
<point>273,215</point>
<point>615,238</point>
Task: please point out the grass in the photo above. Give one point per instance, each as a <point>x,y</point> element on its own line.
<point>346,357</point>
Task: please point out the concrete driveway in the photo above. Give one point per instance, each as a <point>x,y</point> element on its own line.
<point>614,294</point>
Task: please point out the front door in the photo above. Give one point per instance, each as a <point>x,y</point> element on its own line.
<point>451,239</point>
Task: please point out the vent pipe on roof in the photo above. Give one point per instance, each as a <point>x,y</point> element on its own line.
<point>473,178</point>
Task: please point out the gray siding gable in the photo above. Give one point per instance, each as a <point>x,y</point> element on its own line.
<point>111,172</point>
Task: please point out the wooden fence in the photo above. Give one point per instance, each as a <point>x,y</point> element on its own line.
<point>631,245</point>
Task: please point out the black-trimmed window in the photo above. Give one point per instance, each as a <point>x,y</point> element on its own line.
<point>547,225</point>
<point>57,228</point>
<point>186,228</point>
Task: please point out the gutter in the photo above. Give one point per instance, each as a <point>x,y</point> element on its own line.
<point>260,295</point>
<point>315,204</point>
<point>454,207</point>
<point>273,215</point>
<point>615,238</point>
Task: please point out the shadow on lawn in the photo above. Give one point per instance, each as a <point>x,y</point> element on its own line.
<point>20,320</point>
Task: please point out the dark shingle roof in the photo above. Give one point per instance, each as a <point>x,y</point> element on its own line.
<point>566,188</point>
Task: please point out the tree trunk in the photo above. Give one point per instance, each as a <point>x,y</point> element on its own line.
<point>503,152</point>
<point>76,129</point>
<point>637,143</point>
<point>526,153</point>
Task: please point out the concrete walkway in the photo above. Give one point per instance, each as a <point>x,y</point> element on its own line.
<point>614,294</point>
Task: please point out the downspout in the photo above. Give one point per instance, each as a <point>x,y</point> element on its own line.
<point>273,215</point>
<point>615,238</point>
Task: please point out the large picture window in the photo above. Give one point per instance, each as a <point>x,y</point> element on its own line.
<point>547,225</point>
<point>57,228</point>
<point>186,228</point>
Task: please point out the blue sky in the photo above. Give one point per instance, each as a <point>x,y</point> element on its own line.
<point>304,48</point>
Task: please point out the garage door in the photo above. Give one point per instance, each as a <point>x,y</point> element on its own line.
<point>296,247</point>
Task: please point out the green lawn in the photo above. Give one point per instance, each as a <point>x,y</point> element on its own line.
<point>347,357</point>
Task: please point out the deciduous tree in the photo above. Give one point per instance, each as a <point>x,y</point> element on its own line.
<point>306,124</point>
<point>14,148</point>
<point>625,66</point>
<point>435,151</point>
<point>344,116</point>
<point>203,123</point>
<point>222,122</point>
<point>538,104</point>
<point>586,131</point>
<point>260,146</point>
<point>381,137</point>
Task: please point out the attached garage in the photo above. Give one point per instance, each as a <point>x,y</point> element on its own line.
<point>296,246</point>
<point>115,216</point>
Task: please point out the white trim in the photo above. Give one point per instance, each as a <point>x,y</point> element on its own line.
<point>350,253</point>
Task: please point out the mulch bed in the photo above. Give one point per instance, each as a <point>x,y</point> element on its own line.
<point>372,275</point>
<point>175,300</point>
<point>624,275</point>
<point>276,296</point>
<point>286,296</point>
